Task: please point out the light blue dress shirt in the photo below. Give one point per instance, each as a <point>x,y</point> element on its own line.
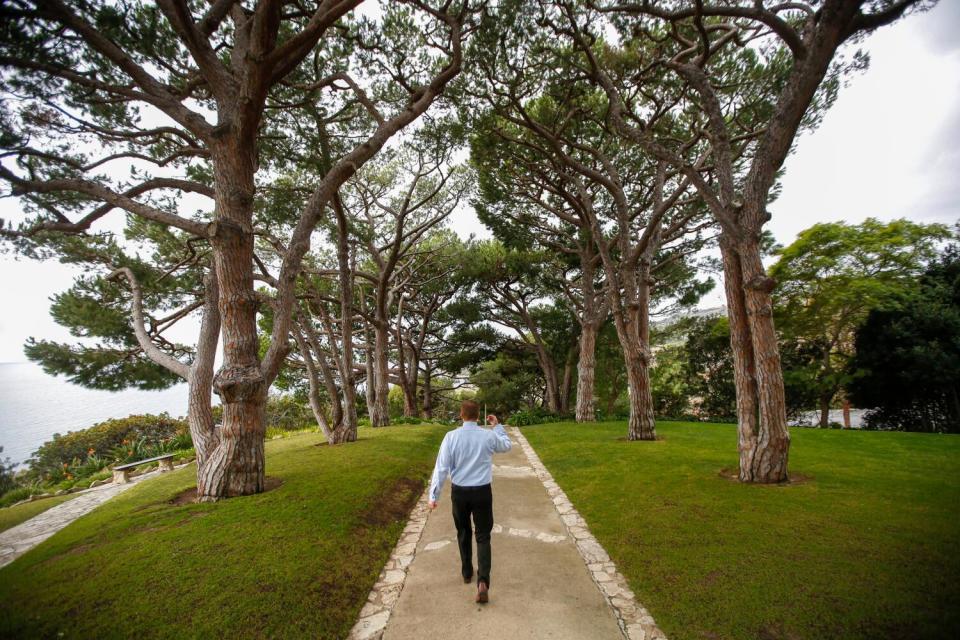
<point>466,455</point>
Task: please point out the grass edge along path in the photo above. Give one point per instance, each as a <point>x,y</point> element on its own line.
<point>293,562</point>
<point>19,513</point>
<point>867,547</point>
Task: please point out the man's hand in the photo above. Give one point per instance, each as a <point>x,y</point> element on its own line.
<point>433,505</point>
<point>492,420</point>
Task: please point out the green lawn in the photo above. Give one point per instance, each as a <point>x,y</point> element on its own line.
<point>869,547</point>
<point>12,516</point>
<point>295,562</point>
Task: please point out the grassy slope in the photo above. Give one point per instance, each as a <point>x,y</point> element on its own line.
<point>12,516</point>
<point>297,561</point>
<point>869,548</point>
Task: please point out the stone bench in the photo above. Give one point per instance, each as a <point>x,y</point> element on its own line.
<point>121,474</point>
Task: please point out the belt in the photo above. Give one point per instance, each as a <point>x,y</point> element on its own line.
<point>477,488</point>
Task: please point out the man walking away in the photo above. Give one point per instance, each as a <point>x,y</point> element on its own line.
<point>466,455</point>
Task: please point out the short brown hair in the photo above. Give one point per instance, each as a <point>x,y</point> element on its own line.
<point>469,410</point>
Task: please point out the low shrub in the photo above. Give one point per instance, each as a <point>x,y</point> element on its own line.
<point>79,453</point>
<point>14,496</point>
<point>408,420</point>
<point>537,415</point>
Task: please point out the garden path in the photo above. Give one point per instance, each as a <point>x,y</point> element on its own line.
<point>16,541</point>
<point>550,577</point>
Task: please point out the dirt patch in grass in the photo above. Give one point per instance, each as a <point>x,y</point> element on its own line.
<point>392,504</point>
<point>189,496</point>
<point>659,438</point>
<point>794,478</point>
<point>80,549</point>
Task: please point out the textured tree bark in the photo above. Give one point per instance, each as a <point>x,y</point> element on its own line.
<point>846,413</point>
<point>642,422</point>
<point>235,466</point>
<point>567,386</point>
<point>586,372</point>
<point>347,430</point>
<point>767,460</point>
<point>313,381</point>
<point>743,364</point>
<point>410,400</point>
<point>552,389</point>
<point>369,393</point>
<point>200,379</point>
<point>428,393</point>
<point>824,411</point>
<point>380,415</point>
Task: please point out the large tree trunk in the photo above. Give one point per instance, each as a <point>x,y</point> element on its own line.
<point>635,340</point>
<point>552,388</point>
<point>566,387</point>
<point>743,366</point>
<point>410,401</point>
<point>824,411</point>
<point>369,391</point>
<point>586,370</point>
<point>235,466</point>
<point>642,422</point>
<point>763,457</point>
<point>428,393</point>
<point>347,430</point>
<point>408,369</point>
<point>380,415</point>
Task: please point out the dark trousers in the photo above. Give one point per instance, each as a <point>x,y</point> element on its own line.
<point>476,502</point>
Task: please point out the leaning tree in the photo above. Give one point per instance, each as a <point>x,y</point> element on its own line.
<point>128,105</point>
<point>752,77</point>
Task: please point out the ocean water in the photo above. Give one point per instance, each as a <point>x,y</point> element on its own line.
<point>34,406</point>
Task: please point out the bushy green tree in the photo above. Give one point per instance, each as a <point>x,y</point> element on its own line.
<point>907,362</point>
<point>830,278</point>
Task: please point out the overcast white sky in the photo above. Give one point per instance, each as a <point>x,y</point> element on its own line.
<point>889,148</point>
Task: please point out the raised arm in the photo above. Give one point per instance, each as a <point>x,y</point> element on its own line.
<point>501,441</point>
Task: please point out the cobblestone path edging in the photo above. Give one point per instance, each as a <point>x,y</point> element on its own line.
<point>16,541</point>
<point>635,622</point>
<point>386,590</point>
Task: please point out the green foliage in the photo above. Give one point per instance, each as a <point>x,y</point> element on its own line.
<point>832,276</point>
<point>907,362</point>
<point>536,415</point>
<point>708,368</point>
<point>508,382</point>
<point>65,456</point>
<point>668,382</point>
<point>865,547</point>
<point>7,475</point>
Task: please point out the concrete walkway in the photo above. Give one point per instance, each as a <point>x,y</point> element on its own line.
<point>549,579</point>
<point>16,541</point>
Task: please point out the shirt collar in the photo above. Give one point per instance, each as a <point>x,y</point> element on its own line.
<point>470,423</point>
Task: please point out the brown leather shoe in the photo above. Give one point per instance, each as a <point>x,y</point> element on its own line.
<point>482,594</point>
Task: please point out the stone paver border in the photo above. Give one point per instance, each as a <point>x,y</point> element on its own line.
<point>386,590</point>
<point>635,621</point>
